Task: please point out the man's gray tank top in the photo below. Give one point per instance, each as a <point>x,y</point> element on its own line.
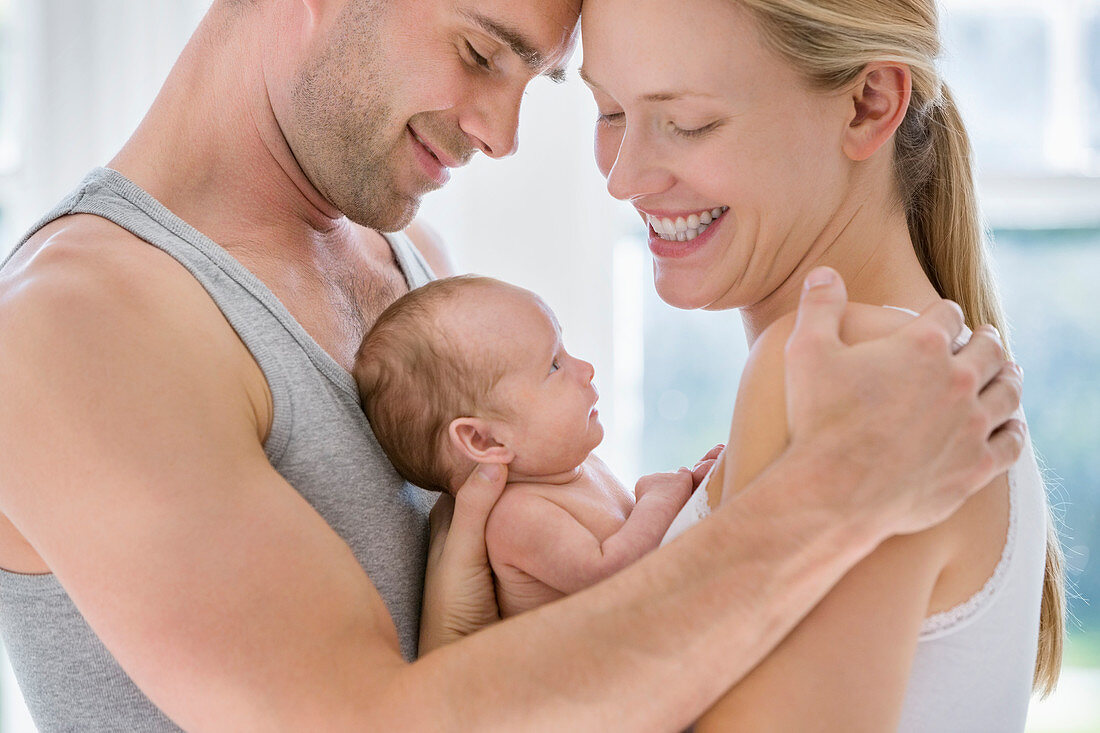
<point>320,442</point>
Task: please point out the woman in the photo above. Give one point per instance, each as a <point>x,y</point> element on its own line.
<point>759,139</point>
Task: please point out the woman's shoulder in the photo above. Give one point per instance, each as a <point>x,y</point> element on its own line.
<point>966,547</point>
<point>861,322</point>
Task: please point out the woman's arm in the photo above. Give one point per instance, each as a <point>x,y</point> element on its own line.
<point>846,665</point>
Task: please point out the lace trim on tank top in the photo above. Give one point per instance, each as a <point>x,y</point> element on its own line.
<point>945,621</point>
<point>694,511</point>
<point>971,608</point>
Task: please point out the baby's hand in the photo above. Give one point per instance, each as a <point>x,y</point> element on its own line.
<point>702,468</point>
<point>674,488</point>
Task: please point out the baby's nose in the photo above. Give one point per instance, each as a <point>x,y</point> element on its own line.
<point>588,371</point>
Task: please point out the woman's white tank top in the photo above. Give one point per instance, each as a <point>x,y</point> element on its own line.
<point>974,663</point>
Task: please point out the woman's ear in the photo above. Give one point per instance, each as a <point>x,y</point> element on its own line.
<point>879,99</point>
<point>473,438</point>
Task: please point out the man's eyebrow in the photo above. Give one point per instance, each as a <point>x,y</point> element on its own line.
<point>667,96</point>
<point>521,46</point>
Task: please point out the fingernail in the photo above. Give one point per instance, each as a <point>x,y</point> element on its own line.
<point>489,471</point>
<point>819,278</point>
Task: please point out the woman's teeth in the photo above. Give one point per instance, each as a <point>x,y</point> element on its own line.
<point>683,229</point>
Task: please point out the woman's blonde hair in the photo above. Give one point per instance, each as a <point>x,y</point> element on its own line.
<point>830,42</point>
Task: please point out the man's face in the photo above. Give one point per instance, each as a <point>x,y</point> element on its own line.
<point>391,94</point>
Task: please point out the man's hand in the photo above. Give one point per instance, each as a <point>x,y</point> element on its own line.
<point>915,428</point>
<point>459,597</point>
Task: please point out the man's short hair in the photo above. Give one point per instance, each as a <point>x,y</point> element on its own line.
<point>414,379</point>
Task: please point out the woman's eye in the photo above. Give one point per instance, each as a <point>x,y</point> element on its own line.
<point>693,132</point>
<point>611,118</point>
<point>477,58</point>
<point>554,366</point>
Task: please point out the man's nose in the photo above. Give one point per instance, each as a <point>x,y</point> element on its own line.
<point>493,125</point>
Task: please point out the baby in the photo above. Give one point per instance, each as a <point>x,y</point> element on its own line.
<point>470,370</point>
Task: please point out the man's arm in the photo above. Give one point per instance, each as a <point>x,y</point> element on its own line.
<point>233,605</point>
<point>846,665</point>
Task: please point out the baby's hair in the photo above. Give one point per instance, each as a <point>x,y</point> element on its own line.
<point>414,380</point>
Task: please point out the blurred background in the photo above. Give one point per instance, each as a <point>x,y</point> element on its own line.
<point>77,75</point>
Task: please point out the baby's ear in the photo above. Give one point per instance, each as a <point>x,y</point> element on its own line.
<point>473,438</point>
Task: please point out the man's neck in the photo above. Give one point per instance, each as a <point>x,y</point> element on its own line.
<point>211,150</point>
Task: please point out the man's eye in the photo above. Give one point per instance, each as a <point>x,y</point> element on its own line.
<point>476,57</point>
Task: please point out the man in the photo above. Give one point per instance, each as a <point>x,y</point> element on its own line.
<point>195,531</point>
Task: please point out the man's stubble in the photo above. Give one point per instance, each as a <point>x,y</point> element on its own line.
<point>341,128</point>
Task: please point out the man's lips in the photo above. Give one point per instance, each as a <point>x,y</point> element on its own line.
<point>443,158</point>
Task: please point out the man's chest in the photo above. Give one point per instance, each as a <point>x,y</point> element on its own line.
<point>338,302</point>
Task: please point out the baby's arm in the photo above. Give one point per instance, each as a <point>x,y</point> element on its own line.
<point>540,538</point>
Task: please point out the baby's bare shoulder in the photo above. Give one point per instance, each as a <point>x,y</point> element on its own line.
<point>520,517</point>
<point>521,502</point>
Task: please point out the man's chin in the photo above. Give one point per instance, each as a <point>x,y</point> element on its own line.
<point>389,218</point>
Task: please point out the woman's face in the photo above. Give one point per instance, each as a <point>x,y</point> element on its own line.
<point>697,117</point>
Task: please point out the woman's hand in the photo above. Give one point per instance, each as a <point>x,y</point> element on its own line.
<point>459,597</point>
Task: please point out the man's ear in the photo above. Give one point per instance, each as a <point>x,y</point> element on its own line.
<point>473,438</point>
<point>879,100</point>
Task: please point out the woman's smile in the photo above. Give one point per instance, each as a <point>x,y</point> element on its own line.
<point>678,236</point>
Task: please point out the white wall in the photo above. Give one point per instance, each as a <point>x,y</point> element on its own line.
<point>86,71</point>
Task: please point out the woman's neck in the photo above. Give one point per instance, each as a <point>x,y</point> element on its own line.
<point>873,253</point>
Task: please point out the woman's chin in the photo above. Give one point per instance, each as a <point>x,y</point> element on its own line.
<point>680,293</point>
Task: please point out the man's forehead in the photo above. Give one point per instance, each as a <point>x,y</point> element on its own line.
<point>542,33</point>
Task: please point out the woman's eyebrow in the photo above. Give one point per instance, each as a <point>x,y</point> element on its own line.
<point>665,96</point>
<point>521,46</point>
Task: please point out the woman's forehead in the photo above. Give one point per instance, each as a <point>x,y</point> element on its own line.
<point>651,48</point>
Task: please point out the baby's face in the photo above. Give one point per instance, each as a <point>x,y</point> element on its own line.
<point>546,394</point>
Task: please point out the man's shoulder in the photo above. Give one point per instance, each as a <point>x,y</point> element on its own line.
<point>82,289</point>
<point>84,255</point>
<point>426,239</point>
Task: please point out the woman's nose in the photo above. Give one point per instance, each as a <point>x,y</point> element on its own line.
<point>636,171</point>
